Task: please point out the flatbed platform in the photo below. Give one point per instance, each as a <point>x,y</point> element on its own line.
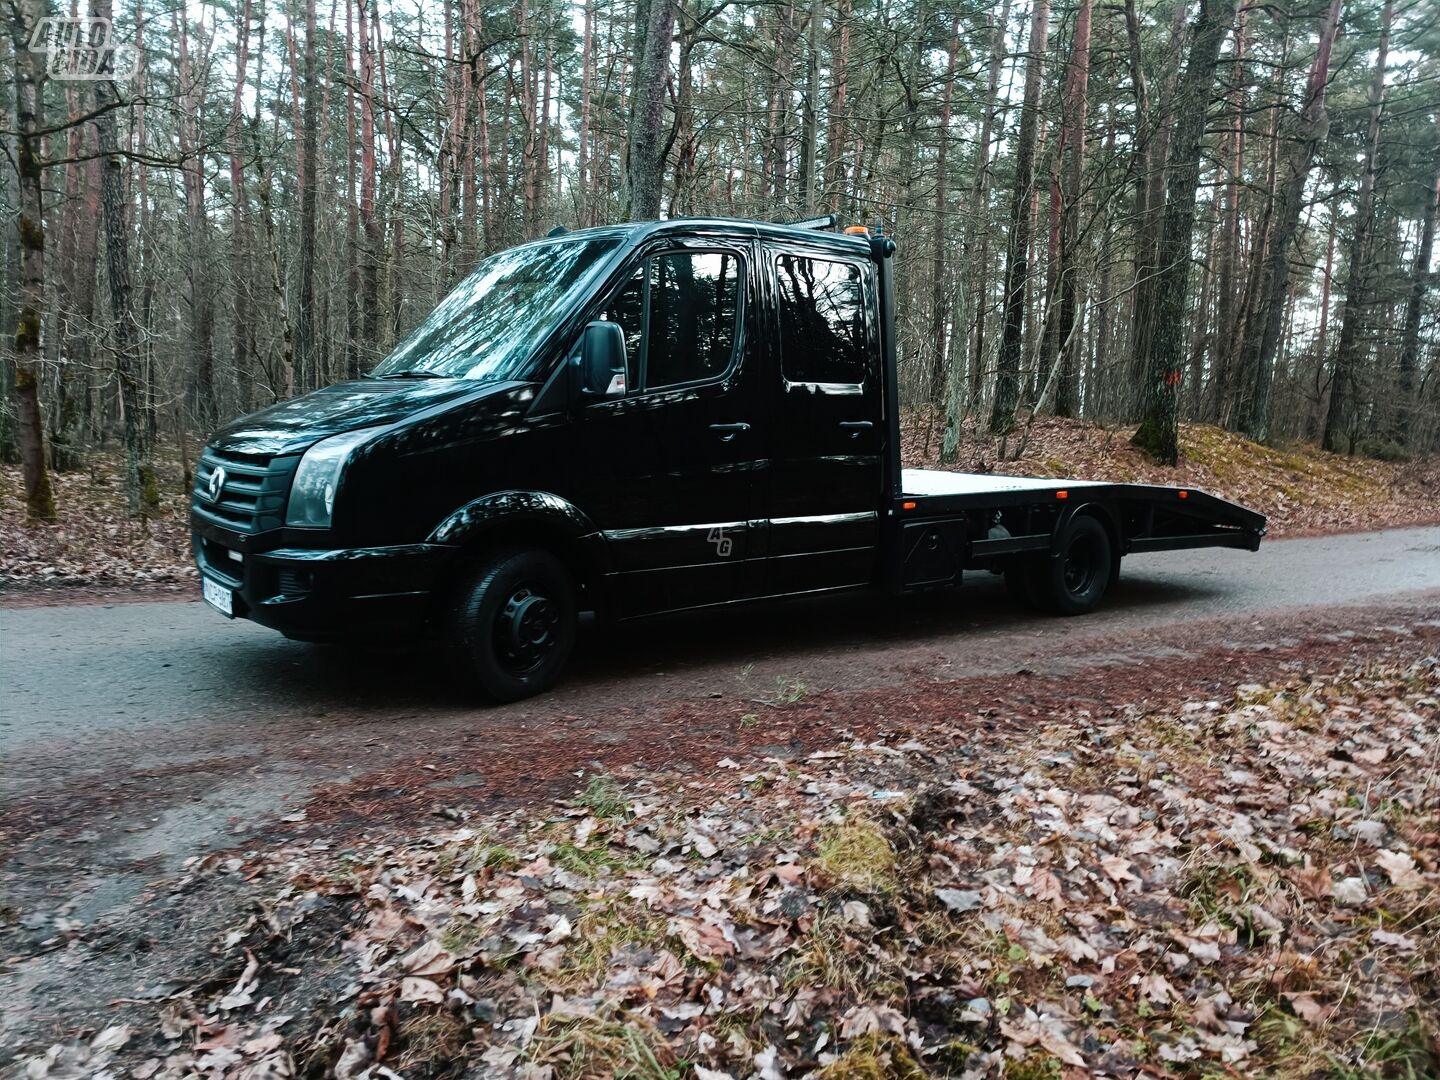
<point>924,483</point>
<point>978,518</point>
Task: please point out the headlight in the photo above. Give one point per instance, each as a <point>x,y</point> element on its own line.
<point>312,492</point>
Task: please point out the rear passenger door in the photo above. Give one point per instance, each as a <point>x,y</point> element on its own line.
<point>826,474</point>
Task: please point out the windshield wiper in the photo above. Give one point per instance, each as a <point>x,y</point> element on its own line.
<point>417,374</point>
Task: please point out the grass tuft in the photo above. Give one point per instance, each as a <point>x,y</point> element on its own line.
<point>603,1048</point>
<point>1033,1067</point>
<point>603,798</point>
<point>856,854</point>
<point>492,857</point>
<point>430,1041</point>
<point>599,933</point>
<point>874,1057</point>
<point>1406,1051</point>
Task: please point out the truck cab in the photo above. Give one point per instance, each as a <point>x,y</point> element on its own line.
<point>631,420</point>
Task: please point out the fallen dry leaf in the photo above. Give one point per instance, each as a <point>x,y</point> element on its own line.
<point>420,990</point>
<point>1400,868</point>
<point>429,959</point>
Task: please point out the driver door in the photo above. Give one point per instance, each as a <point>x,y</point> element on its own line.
<point>670,469</point>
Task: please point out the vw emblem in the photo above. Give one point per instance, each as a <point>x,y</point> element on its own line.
<point>216,484</point>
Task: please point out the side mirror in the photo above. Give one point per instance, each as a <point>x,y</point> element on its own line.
<point>600,361</point>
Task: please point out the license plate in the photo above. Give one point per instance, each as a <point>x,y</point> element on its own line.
<point>218,597</point>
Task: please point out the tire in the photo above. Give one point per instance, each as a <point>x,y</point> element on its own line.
<point>511,624</point>
<point>1074,579</point>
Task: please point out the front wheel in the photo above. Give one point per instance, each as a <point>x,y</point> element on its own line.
<point>512,624</point>
<point>1076,577</point>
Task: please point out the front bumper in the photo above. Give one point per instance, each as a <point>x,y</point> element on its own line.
<point>379,593</point>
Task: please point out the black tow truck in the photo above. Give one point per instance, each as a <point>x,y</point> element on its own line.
<point>632,420</point>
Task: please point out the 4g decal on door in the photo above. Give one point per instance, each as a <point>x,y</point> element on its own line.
<point>723,544</point>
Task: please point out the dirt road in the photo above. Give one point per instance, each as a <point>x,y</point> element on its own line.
<point>147,733</point>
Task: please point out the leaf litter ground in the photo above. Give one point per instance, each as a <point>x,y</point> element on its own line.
<point>1243,883</point>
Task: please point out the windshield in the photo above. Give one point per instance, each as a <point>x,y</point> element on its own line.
<point>491,323</point>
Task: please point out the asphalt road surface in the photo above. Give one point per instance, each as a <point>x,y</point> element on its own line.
<point>135,735</point>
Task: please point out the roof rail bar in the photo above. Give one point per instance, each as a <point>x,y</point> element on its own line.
<point>824,221</point>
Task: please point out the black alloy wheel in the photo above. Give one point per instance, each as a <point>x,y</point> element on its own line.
<point>512,623</point>
<point>1075,577</point>
<point>527,629</point>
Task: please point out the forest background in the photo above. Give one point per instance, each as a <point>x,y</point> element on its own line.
<point>1129,213</point>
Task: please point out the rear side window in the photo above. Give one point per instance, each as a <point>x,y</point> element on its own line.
<point>680,313</point>
<point>822,320</point>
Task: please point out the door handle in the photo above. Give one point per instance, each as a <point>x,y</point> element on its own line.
<point>854,427</point>
<point>727,432</point>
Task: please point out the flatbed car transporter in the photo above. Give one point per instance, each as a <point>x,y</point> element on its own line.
<point>633,420</point>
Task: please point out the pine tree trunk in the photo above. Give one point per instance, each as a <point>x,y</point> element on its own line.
<point>1227,271</point>
<point>354,246</point>
<point>192,170</point>
<point>1044,357</point>
<point>1339,418</point>
<point>243,333</point>
<point>683,137</point>
<point>466,122</point>
<point>1076,89</point>
<point>542,158</point>
<point>644,151</point>
<point>284,384</point>
<point>1158,434</point>
<point>30,120</point>
<point>773,167</point>
<point>142,497</point>
<point>447,142</point>
<point>810,111</point>
<point>1245,334</point>
<point>1257,366</point>
<point>486,178</point>
<point>71,343</point>
<point>835,119</point>
<point>305,351</point>
<point>584,189</point>
<point>1098,387</point>
<point>978,219</point>
<point>394,186</point>
<point>1148,167</point>
<point>1017,259</point>
<point>369,219</point>
<point>529,153</point>
<point>939,316</point>
<point>1405,410</point>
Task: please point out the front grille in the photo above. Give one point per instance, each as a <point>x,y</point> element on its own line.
<point>252,497</point>
<point>221,563</point>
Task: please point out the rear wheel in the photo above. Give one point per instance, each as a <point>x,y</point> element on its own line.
<point>512,624</point>
<point>1076,577</point>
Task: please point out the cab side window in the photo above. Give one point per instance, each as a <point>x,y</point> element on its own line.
<point>680,313</point>
<point>822,320</point>
<point>693,309</point>
<point>628,310</point>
